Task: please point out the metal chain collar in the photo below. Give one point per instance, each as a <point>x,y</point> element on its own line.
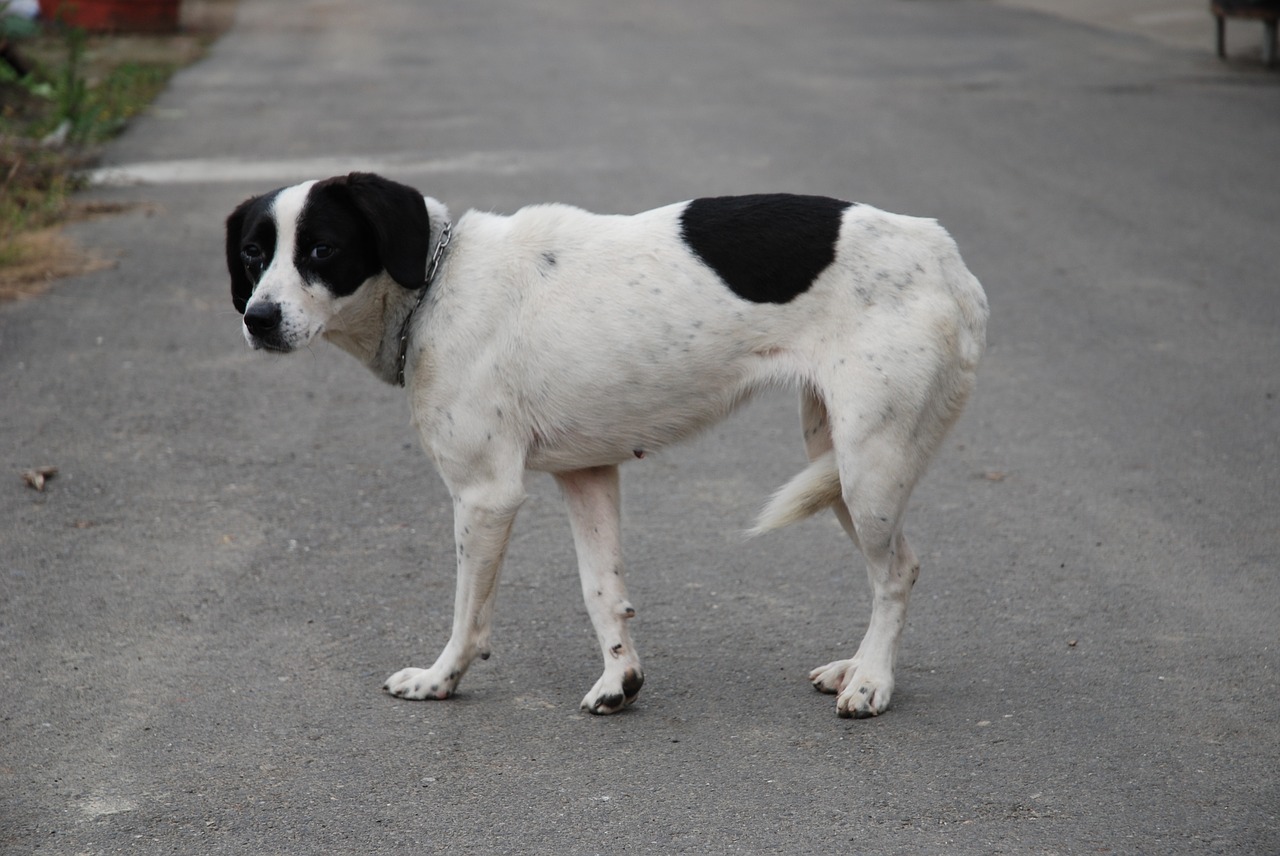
<point>446,233</point>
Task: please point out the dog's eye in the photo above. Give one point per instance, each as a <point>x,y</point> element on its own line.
<point>251,254</point>
<point>320,252</point>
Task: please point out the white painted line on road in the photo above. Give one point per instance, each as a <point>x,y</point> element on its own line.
<point>1172,16</point>
<point>229,170</point>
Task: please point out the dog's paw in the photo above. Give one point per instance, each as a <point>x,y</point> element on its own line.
<point>861,691</point>
<point>422,683</point>
<point>613,692</point>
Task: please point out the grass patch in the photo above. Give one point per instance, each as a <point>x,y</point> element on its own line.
<point>78,92</point>
<point>76,96</point>
<point>33,191</point>
<point>40,256</point>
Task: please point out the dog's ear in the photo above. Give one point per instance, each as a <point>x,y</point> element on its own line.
<point>397,216</point>
<point>241,284</point>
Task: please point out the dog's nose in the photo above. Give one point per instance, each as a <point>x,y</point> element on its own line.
<point>262,318</point>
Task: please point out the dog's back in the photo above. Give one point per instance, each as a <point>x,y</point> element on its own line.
<point>628,343</point>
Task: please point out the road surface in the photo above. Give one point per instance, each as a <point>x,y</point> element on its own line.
<point>197,613</point>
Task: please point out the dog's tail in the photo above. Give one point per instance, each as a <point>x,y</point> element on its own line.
<point>815,488</point>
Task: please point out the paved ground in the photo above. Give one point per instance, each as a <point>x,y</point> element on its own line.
<point>196,615</point>
<point>1183,23</point>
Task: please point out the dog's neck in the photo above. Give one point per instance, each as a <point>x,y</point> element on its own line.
<point>373,327</point>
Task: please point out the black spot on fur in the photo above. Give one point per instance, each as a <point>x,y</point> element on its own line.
<point>632,681</point>
<point>250,227</point>
<point>609,702</point>
<point>335,245</point>
<point>376,224</point>
<point>767,248</point>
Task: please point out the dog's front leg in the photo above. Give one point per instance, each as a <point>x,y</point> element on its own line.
<point>482,526</point>
<point>593,500</point>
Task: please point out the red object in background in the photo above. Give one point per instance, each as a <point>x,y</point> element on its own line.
<point>155,16</point>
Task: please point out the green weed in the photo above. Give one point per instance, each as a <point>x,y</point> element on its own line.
<point>51,118</point>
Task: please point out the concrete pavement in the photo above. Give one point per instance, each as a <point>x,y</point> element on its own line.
<point>196,615</point>
<point>1182,23</point>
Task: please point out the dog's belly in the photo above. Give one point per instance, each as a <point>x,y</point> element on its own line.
<point>617,389</point>
<point>608,423</point>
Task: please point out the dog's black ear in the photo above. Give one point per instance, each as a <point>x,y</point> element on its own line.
<point>241,284</point>
<point>397,215</point>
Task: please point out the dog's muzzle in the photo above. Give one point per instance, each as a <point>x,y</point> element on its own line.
<point>263,322</point>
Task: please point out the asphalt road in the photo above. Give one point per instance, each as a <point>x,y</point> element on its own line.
<point>197,613</point>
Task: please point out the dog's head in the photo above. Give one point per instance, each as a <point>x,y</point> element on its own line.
<point>299,255</point>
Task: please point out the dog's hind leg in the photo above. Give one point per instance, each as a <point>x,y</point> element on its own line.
<point>878,469</point>
<point>482,523</point>
<point>872,686</point>
<point>593,500</point>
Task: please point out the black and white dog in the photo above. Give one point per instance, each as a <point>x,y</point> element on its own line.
<point>568,342</point>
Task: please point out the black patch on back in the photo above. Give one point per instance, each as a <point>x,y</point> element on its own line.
<point>250,224</point>
<point>767,248</point>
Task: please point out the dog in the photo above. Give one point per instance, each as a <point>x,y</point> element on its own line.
<point>566,342</point>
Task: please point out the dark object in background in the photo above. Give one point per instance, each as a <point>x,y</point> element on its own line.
<point>152,16</point>
<point>1266,11</point>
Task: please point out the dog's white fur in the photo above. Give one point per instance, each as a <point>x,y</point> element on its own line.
<point>628,342</point>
